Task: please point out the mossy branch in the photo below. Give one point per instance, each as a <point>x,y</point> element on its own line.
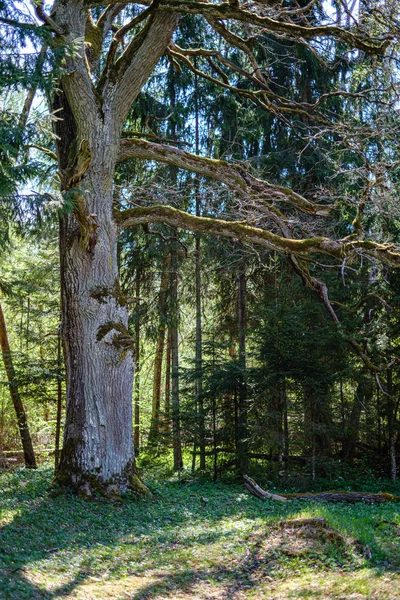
<point>386,253</point>
<point>235,177</point>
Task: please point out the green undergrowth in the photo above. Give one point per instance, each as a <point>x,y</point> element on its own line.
<point>193,539</point>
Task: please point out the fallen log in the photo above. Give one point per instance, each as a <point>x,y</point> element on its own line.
<point>331,496</point>
<point>255,489</point>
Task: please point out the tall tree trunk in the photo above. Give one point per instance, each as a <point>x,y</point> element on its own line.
<point>136,424</point>
<point>392,429</point>
<point>167,390</point>
<point>26,440</point>
<point>242,397</point>
<point>97,453</point>
<point>175,400</point>
<point>176,417</point>
<point>199,355</point>
<point>59,402</point>
<point>199,341</point>
<point>158,360</point>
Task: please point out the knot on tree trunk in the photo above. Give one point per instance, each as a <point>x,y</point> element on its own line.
<point>117,335</point>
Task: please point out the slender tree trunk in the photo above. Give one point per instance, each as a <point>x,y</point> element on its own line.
<point>136,426</point>
<point>310,401</point>
<point>362,398</point>
<point>393,459</point>
<point>285,425</point>
<point>392,414</point>
<point>175,400</point>
<point>59,402</point>
<point>158,361</point>
<point>176,417</point>
<point>167,405</point>
<point>215,444</point>
<point>199,356</point>
<point>199,341</point>
<point>242,397</point>
<point>26,440</point>
<point>379,418</point>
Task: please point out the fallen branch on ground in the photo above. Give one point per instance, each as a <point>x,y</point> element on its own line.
<point>330,496</point>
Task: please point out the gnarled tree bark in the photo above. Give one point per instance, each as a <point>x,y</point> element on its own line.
<point>98,452</point>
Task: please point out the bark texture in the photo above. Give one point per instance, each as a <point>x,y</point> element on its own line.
<point>98,451</point>
<point>98,445</point>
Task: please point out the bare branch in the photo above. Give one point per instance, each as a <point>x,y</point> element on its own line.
<point>229,11</point>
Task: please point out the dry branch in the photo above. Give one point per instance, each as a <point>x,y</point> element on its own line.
<point>258,492</point>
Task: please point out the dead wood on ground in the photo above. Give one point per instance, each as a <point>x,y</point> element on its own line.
<point>330,496</point>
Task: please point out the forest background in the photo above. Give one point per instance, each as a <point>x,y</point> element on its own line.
<point>244,364</point>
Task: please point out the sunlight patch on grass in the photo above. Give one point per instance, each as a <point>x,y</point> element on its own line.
<point>364,585</point>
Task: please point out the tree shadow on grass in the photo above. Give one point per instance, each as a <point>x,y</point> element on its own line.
<point>44,538</point>
<point>53,546</point>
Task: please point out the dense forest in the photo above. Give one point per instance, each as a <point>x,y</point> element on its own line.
<point>253,287</point>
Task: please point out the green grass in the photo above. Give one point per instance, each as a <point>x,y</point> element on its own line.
<point>192,540</point>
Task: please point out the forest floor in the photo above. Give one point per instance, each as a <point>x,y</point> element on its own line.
<point>192,540</point>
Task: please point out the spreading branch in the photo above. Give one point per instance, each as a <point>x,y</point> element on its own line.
<point>233,10</point>
<point>292,30</point>
<point>124,79</point>
<point>247,234</point>
<point>235,177</point>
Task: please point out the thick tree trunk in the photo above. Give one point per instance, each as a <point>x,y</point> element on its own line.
<point>98,445</point>
<point>26,440</point>
<point>136,427</point>
<point>97,453</point>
